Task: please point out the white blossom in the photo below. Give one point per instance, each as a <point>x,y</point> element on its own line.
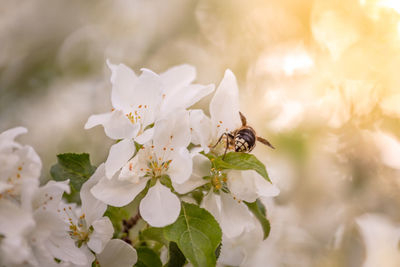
<point>166,154</point>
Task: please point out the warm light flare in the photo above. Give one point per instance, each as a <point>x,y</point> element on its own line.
<point>296,62</point>
<point>391,4</point>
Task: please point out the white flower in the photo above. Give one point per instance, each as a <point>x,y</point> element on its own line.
<point>241,232</point>
<point>138,102</point>
<point>249,185</point>
<point>19,168</point>
<point>117,253</point>
<point>134,100</point>
<point>165,155</point>
<point>178,92</point>
<point>28,230</point>
<point>224,112</point>
<point>233,217</point>
<point>83,229</point>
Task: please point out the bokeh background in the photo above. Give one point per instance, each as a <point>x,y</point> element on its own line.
<point>320,79</point>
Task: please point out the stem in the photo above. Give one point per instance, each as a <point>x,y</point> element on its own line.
<point>128,225</point>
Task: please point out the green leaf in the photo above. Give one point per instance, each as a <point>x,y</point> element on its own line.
<point>117,215</point>
<point>176,257</point>
<point>198,196</point>
<point>154,234</point>
<point>239,161</point>
<point>218,250</point>
<point>73,197</point>
<point>75,167</point>
<point>258,209</point>
<point>197,235</point>
<point>147,258</point>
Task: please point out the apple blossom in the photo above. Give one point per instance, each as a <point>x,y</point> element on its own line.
<point>166,154</point>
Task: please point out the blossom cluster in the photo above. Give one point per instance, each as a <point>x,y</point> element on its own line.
<point>165,154</point>
<point>38,228</point>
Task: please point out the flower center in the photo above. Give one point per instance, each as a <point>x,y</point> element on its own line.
<point>218,179</point>
<point>157,165</point>
<point>78,228</point>
<point>137,115</point>
<point>13,181</point>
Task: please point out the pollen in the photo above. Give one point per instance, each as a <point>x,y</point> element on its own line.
<point>18,175</point>
<point>220,122</point>
<point>164,148</point>
<point>130,166</point>
<point>172,149</point>
<point>140,106</point>
<point>20,168</point>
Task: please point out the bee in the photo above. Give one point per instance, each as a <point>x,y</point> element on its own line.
<point>242,139</point>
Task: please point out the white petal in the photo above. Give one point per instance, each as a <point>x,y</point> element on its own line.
<point>193,93</point>
<point>201,168</point>
<point>145,136</point>
<point>16,251</point>
<point>63,247</point>
<point>212,203</point>
<point>231,253</point>
<point>235,217</point>
<point>117,192</point>
<point>14,221</point>
<point>134,169</point>
<point>117,253</point>
<point>91,206</point>
<point>264,188</point>
<point>185,97</point>
<point>103,232</point>
<point>119,155</point>
<point>7,137</point>
<point>173,130</point>
<point>200,126</point>
<point>242,186</point>
<point>116,124</point>
<point>181,166</point>
<point>147,93</point>
<point>160,206</point>
<point>123,80</point>
<point>177,77</point>
<point>224,106</point>
<point>4,186</point>
<point>49,196</point>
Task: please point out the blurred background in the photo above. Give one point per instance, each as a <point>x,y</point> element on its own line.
<point>320,79</point>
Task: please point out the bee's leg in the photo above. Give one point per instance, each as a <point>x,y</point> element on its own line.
<point>243,119</point>
<point>227,145</point>
<point>219,140</point>
<point>265,142</point>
